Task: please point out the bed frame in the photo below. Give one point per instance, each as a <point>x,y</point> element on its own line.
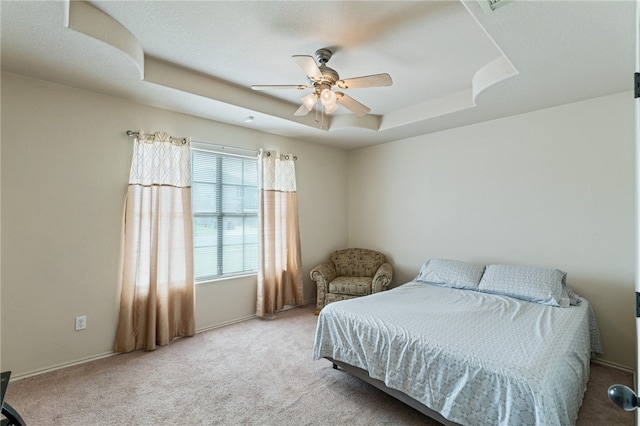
<point>364,375</point>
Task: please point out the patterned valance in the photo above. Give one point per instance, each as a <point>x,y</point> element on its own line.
<point>160,159</point>
<point>278,171</point>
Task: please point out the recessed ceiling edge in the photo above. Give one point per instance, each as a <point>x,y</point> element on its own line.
<point>91,21</point>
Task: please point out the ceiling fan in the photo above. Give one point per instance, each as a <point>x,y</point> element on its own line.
<point>322,79</point>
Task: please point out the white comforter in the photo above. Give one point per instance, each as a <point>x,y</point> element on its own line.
<point>477,359</point>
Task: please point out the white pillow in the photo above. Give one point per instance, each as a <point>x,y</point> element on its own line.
<point>531,283</point>
<point>451,273</point>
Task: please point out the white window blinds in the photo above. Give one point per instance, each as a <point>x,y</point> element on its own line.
<point>224,198</point>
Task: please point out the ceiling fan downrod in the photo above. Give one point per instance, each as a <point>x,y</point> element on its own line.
<point>329,75</point>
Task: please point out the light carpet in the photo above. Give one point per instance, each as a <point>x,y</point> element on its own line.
<point>258,372</point>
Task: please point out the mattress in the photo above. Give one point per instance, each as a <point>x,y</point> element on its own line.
<point>473,357</point>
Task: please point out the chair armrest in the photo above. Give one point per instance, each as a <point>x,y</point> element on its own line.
<point>382,278</point>
<point>323,274</point>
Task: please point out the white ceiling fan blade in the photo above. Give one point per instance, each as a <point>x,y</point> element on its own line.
<point>302,111</point>
<point>279,86</point>
<point>352,105</point>
<point>308,65</point>
<point>376,80</point>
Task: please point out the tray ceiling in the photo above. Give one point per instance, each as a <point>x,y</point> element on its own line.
<point>452,63</point>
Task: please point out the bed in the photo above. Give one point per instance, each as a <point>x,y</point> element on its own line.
<point>470,344</point>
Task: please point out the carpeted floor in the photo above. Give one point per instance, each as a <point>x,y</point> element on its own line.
<point>258,372</point>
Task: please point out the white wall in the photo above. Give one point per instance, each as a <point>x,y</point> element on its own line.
<point>65,166</point>
<point>552,188</point>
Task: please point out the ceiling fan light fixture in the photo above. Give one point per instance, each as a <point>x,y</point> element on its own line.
<point>309,101</point>
<point>327,97</point>
<point>328,109</point>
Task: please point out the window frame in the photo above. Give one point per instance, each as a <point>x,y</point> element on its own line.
<point>220,215</point>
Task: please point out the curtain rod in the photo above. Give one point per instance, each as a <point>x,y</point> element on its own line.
<point>137,134</point>
<point>285,156</point>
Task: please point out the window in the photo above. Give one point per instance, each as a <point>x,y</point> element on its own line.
<point>224,200</point>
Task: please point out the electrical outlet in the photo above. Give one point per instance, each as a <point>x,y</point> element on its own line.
<point>81,322</point>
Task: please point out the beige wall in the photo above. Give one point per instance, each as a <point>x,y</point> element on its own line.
<point>65,165</point>
<point>551,188</point>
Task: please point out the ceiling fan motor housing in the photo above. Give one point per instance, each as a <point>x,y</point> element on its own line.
<point>329,75</point>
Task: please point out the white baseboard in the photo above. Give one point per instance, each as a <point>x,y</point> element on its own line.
<point>61,366</point>
<point>249,317</point>
<point>224,324</point>
<point>613,365</point>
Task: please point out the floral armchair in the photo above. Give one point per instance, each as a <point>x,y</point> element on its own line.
<point>350,273</point>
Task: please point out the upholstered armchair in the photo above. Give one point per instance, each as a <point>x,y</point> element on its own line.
<point>350,273</point>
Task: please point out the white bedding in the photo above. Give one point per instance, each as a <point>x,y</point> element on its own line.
<point>475,358</point>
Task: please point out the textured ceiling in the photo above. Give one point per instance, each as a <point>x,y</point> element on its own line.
<point>451,62</point>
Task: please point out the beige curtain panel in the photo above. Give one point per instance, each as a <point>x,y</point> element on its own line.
<point>157,295</point>
<point>280,264</point>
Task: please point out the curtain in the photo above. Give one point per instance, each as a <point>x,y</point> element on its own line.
<point>157,295</point>
<point>280,264</point>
